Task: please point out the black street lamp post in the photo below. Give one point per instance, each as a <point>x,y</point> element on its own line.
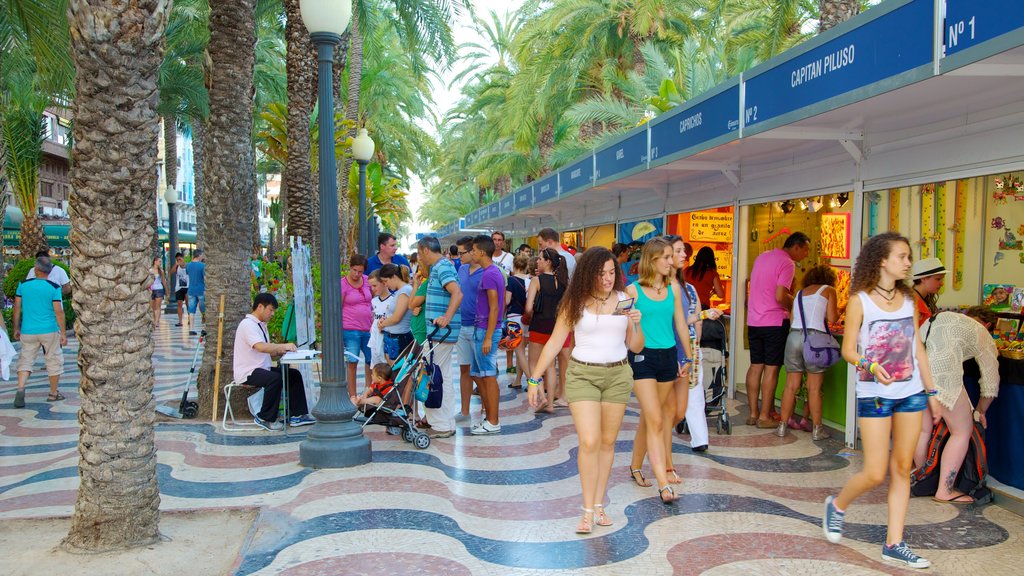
<point>335,441</point>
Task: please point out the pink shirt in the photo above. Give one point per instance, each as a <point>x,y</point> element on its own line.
<point>772,269</point>
<point>356,313</point>
<point>250,331</point>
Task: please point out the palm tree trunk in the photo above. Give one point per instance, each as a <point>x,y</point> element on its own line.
<point>347,217</point>
<point>117,48</point>
<point>32,237</point>
<point>171,152</point>
<point>230,196</point>
<point>301,68</point>
<point>834,12</point>
<point>199,179</point>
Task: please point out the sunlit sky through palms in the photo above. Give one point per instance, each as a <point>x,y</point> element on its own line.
<point>446,96</point>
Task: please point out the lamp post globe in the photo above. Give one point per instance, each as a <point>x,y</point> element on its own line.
<point>362,151</point>
<point>335,441</point>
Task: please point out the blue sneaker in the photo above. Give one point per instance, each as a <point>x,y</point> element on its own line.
<point>304,420</point>
<point>270,426</point>
<point>832,521</point>
<point>901,554</point>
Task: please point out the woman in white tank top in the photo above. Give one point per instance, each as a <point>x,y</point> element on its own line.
<point>820,303</point>
<point>894,385</point>
<point>599,379</point>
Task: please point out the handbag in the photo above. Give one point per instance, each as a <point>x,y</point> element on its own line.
<point>820,349</point>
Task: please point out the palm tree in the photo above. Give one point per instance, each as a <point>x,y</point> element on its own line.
<point>228,209</point>
<point>21,120</point>
<point>117,51</point>
<point>301,196</point>
<point>832,12</point>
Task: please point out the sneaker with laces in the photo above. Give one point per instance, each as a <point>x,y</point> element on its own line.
<point>269,426</point>
<point>832,521</point>
<point>485,427</point>
<point>304,420</point>
<point>820,433</point>
<point>902,554</point>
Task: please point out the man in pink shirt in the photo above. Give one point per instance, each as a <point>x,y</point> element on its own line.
<point>253,350</point>
<point>771,297</point>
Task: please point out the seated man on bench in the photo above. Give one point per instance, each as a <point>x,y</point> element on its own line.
<point>253,351</point>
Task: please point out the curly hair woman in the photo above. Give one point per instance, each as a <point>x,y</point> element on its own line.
<point>894,386</point>
<point>656,368</point>
<point>599,379</point>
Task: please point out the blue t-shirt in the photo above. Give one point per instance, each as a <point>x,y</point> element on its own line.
<point>470,285</point>
<point>491,279</point>
<point>516,287</point>
<point>457,262</point>
<point>374,263</point>
<point>37,313</point>
<point>442,274</point>
<point>196,278</point>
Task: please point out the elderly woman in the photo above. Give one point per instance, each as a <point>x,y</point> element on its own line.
<point>951,339</point>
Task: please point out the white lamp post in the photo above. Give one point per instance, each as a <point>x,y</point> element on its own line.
<point>362,151</point>
<point>335,441</point>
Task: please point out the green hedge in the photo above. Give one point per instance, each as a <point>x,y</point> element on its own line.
<point>18,274</point>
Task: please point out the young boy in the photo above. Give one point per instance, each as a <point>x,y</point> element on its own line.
<point>490,310</point>
<point>374,394</point>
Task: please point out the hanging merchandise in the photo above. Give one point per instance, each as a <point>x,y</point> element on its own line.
<point>960,233</point>
<point>940,221</point>
<point>894,209</point>
<point>927,219</point>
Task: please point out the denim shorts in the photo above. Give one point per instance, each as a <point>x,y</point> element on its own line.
<point>886,407</point>
<point>196,301</point>
<point>464,346</point>
<point>484,365</point>
<point>356,342</point>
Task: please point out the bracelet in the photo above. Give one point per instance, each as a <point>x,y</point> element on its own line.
<point>533,382</point>
<point>863,364</point>
<point>873,367</point>
<point>933,392</point>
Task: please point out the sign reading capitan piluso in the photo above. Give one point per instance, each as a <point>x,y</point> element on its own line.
<point>822,66</point>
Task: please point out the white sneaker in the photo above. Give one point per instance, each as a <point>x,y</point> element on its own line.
<point>485,427</point>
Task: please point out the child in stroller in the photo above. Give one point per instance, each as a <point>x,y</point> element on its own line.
<point>377,391</point>
<point>387,403</point>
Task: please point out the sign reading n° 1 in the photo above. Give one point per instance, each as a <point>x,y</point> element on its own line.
<point>623,157</point>
<point>697,125</point>
<point>887,47</point>
<point>976,29</point>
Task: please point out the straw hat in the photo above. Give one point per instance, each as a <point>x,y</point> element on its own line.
<point>927,267</point>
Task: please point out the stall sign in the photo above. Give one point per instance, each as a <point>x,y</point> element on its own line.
<point>711,227</point>
<point>696,126</point>
<point>524,198</point>
<point>893,47</point>
<point>622,157</point>
<point>508,205</point>
<point>970,23</point>
<point>546,189</point>
<point>577,175</point>
<point>641,230</point>
<point>493,211</point>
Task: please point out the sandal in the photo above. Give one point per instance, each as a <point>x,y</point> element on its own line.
<point>585,526</point>
<point>542,407</point>
<point>671,495</point>
<point>642,482</point>
<point>752,421</point>
<point>54,397</point>
<point>602,518</point>
<point>675,477</point>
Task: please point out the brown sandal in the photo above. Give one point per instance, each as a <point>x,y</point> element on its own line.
<point>676,479</point>
<point>642,482</point>
<point>54,397</point>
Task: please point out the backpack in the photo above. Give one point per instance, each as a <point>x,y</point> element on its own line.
<point>971,479</point>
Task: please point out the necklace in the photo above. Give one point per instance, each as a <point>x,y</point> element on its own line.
<point>887,297</point>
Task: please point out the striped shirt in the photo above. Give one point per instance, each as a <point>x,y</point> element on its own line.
<point>441,274</point>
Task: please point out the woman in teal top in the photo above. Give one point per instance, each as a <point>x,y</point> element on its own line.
<point>656,367</point>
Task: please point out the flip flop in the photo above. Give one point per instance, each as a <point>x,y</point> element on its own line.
<point>957,500</point>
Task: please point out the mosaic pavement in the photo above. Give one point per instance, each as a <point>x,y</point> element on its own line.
<point>503,504</point>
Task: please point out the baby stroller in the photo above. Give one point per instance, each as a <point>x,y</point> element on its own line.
<point>715,351</point>
<point>395,410</point>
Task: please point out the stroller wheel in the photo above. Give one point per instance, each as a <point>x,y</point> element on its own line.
<point>422,441</point>
<point>723,421</point>
<point>718,426</point>
<point>394,430</point>
<point>408,435</point>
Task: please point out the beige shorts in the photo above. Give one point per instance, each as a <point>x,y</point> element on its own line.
<point>53,355</point>
<point>598,383</point>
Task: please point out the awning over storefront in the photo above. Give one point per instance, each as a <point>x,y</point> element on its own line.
<point>56,232</point>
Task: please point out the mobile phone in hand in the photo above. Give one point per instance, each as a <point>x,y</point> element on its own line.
<point>623,307</point>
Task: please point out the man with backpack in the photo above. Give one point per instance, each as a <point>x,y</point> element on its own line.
<point>951,339</point>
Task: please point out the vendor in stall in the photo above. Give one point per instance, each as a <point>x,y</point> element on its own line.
<point>929,275</point>
<point>951,339</point>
